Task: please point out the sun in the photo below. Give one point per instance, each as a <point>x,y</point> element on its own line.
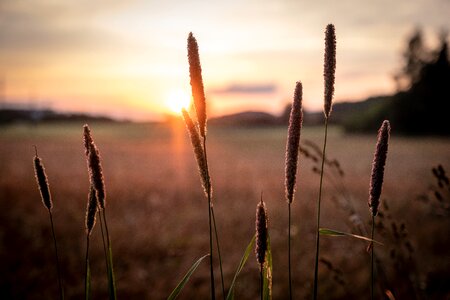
<point>178,99</point>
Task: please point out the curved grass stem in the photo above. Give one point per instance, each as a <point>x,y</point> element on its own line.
<point>316,267</point>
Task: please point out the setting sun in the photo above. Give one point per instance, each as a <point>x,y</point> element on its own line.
<point>178,99</point>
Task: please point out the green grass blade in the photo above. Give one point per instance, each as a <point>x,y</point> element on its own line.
<point>185,279</point>
<point>244,258</point>
<point>111,279</point>
<point>331,232</point>
<point>267,282</point>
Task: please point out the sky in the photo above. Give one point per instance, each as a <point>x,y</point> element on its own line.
<point>128,59</point>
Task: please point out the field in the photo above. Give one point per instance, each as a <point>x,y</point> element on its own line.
<point>158,218</point>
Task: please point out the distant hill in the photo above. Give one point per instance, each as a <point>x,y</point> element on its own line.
<point>348,113</point>
<point>11,115</point>
<point>248,118</point>
<point>343,113</point>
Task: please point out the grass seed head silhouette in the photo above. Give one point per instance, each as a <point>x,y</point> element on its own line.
<point>95,167</point>
<point>198,151</point>
<point>261,232</point>
<point>87,138</point>
<point>42,181</point>
<point>379,161</point>
<point>329,68</point>
<point>293,142</point>
<point>198,93</point>
<point>91,211</point>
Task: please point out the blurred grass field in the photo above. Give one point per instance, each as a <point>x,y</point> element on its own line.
<point>158,213</point>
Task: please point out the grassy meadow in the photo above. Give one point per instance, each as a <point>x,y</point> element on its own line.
<point>158,225</point>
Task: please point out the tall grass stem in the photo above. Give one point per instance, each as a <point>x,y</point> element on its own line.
<point>60,280</point>
<point>372,259</point>
<point>213,290</point>
<point>261,282</point>
<point>289,251</point>
<point>208,191</point>
<point>218,251</point>
<point>87,275</point>
<point>316,267</point>
<point>111,279</point>
<point>103,241</point>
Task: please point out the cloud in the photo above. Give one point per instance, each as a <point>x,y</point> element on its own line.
<point>46,26</point>
<point>241,88</point>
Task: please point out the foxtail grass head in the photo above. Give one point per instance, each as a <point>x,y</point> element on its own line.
<point>42,181</point>
<point>198,92</point>
<point>87,137</point>
<point>261,232</point>
<point>329,67</point>
<point>91,211</point>
<point>293,142</point>
<point>95,167</point>
<point>198,151</point>
<point>379,161</point>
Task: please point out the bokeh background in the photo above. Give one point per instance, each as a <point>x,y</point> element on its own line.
<point>122,68</point>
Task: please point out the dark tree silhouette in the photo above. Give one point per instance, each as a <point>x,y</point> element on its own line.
<point>423,108</point>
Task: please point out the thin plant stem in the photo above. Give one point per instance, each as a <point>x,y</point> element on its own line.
<point>104,243</point>
<point>86,290</point>
<point>261,282</point>
<point>218,251</point>
<point>106,227</point>
<point>289,250</point>
<point>60,280</point>
<point>213,291</point>
<point>372,259</point>
<point>316,268</point>
<point>110,259</point>
<point>211,268</point>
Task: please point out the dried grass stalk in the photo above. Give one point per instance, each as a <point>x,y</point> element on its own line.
<point>379,161</point>
<point>261,232</point>
<point>329,69</point>
<point>293,142</point>
<point>198,93</point>
<point>87,138</point>
<point>95,167</point>
<point>41,179</point>
<point>198,151</point>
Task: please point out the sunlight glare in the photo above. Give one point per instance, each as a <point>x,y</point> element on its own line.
<point>178,99</point>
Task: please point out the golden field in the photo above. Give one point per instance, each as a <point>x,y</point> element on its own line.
<point>157,212</point>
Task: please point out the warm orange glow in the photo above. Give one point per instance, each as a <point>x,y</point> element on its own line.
<point>178,99</point>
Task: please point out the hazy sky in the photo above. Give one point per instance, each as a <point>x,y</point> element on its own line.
<point>126,58</point>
